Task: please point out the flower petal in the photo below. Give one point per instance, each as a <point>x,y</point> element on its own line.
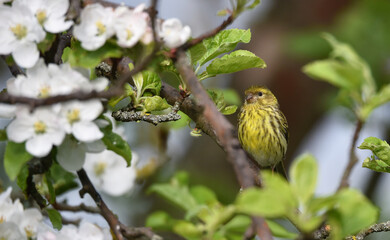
<point>39,146</point>
<point>26,55</point>
<point>86,131</point>
<point>71,155</point>
<point>19,131</point>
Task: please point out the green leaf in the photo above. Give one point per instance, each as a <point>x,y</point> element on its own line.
<point>3,135</point>
<point>380,98</point>
<point>152,82</point>
<point>341,75</point>
<point>229,110</point>
<point>79,57</point>
<point>230,96</point>
<point>321,204</point>
<point>254,4</point>
<point>236,227</point>
<point>175,193</point>
<point>147,81</point>
<point>203,195</point>
<point>63,181</point>
<point>347,54</point>
<point>354,212</point>
<point>236,61</point>
<point>160,221</point>
<point>182,122</point>
<point>117,144</point>
<point>307,223</point>
<point>380,161</point>
<point>346,70</point>
<point>279,231</point>
<point>49,182</point>
<point>376,165</point>
<point>55,218</point>
<point>219,100</point>
<point>187,230</point>
<point>14,159</point>
<point>22,178</point>
<point>180,178</point>
<point>379,148</point>
<point>155,103</point>
<point>46,43</point>
<point>303,173</point>
<point>223,42</point>
<point>262,202</point>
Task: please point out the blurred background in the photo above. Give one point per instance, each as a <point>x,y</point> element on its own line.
<point>286,35</point>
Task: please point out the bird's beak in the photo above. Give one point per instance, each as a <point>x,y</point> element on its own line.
<point>249,98</point>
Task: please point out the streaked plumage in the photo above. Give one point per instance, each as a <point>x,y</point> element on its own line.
<point>262,127</point>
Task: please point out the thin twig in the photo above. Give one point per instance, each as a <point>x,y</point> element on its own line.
<point>379,227</point>
<point>129,115</point>
<point>352,157</point>
<point>37,166</point>
<point>14,68</point>
<point>225,134</point>
<point>78,208</point>
<point>213,32</point>
<point>136,233</point>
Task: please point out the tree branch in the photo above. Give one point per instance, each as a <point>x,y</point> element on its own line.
<point>116,226</point>
<point>352,157</point>
<point>224,133</point>
<point>87,187</point>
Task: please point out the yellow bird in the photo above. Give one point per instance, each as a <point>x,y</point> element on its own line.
<point>262,127</point>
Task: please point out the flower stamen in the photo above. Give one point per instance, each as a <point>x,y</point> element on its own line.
<point>41,16</point>
<point>39,127</point>
<point>99,168</point>
<point>100,27</point>
<point>73,115</point>
<point>19,30</point>
<point>44,92</point>
<point>129,34</point>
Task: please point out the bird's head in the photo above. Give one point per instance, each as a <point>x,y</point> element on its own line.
<point>260,95</point>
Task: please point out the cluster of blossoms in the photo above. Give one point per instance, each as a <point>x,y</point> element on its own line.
<point>69,125</point>
<point>100,23</point>
<point>25,23</point>
<point>17,223</point>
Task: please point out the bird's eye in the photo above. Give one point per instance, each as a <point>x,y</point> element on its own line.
<point>260,94</point>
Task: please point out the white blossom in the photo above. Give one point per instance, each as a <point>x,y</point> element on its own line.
<point>42,81</point>
<point>71,154</point>
<point>38,83</point>
<point>86,231</point>
<point>173,33</point>
<point>130,25</point>
<point>148,36</point>
<point>10,231</point>
<point>96,26</point>
<point>77,119</point>
<point>8,111</point>
<point>20,32</point>
<point>108,172</point>
<point>50,13</point>
<point>28,221</point>
<point>12,214</point>
<point>40,129</point>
